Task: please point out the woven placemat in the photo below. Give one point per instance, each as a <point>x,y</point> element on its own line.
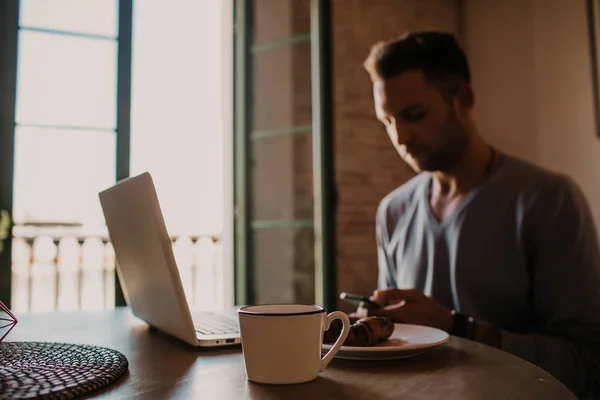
<point>56,370</point>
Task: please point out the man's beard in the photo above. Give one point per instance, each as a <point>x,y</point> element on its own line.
<point>445,157</point>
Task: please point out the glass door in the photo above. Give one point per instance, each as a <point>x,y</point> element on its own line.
<point>280,163</point>
<point>65,142</point>
<point>180,113</point>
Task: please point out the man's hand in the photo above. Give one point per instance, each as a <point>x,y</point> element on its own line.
<point>411,306</point>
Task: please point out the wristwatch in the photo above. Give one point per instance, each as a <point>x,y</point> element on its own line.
<point>462,326</point>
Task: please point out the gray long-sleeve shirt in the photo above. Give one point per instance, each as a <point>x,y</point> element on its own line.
<point>520,252</point>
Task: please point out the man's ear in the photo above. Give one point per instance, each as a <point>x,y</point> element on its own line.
<point>465,99</point>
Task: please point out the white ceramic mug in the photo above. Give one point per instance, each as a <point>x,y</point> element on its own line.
<point>282,342</point>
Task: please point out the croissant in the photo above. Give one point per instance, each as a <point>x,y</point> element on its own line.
<point>363,332</point>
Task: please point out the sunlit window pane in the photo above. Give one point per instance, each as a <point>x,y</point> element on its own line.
<point>58,174</point>
<point>64,80</point>
<point>177,110</point>
<point>97,17</point>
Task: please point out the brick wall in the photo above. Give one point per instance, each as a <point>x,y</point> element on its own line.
<point>366,165</point>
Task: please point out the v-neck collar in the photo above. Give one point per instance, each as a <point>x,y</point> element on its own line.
<point>438,225</point>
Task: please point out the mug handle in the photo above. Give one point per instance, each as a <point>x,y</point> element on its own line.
<point>341,339</point>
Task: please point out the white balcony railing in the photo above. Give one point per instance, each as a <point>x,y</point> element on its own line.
<point>65,268</point>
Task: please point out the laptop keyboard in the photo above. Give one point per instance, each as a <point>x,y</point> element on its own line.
<point>214,324</point>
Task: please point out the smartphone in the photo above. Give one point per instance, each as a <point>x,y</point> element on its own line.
<point>357,299</point>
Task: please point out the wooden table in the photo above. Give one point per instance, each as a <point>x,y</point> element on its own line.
<point>161,367</point>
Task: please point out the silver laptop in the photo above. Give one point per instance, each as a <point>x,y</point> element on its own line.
<point>148,271</point>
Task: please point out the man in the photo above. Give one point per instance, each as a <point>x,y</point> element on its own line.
<point>480,243</point>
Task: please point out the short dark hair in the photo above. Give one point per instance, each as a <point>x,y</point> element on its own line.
<point>437,54</point>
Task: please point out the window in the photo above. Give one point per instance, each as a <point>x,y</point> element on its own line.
<point>65,152</point>
<point>72,139</point>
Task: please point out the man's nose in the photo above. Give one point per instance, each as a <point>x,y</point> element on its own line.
<point>400,134</point>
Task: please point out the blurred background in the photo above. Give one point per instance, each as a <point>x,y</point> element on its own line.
<point>256,120</point>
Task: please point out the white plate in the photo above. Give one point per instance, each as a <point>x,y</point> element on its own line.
<point>406,341</point>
